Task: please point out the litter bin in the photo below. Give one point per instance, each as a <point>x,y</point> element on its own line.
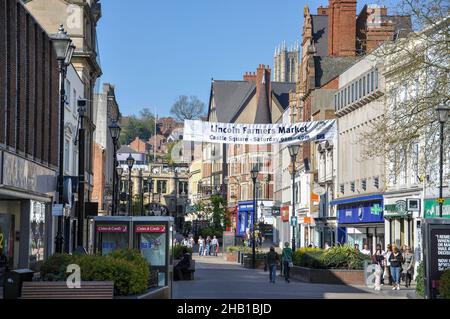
<point>12,288</point>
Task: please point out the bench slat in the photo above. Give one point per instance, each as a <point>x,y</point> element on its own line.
<point>59,290</point>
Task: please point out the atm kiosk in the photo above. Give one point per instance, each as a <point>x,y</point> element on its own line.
<point>151,235</point>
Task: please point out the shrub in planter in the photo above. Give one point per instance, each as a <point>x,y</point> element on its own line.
<point>444,285</point>
<point>243,249</point>
<point>308,257</point>
<point>345,257</point>
<point>420,281</point>
<point>178,251</point>
<point>128,269</point>
<point>54,268</point>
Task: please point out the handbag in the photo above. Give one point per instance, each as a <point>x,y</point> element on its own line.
<point>291,264</point>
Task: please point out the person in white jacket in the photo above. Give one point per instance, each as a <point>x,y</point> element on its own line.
<point>214,244</point>
<point>387,265</point>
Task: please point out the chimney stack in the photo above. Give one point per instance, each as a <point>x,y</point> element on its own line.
<point>342,27</point>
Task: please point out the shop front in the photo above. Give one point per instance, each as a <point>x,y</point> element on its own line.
<point>26,225</point>
<point>400,218</point>
<point>360,221</point>
<point>244,219</point>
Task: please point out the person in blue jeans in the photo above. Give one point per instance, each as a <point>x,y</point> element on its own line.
<point>272,259</point>
<point>395,259</point>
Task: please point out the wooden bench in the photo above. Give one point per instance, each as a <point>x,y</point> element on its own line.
<point>59,290</point>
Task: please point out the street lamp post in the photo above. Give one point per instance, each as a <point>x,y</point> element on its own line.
<point>119,171</point>
<point>150,191</point>
<point>64,50</point>
<point>141,192</point>
<point>130,163</point>
<point>254,175</point>
<point>443,113</point>
<point>293,151</point>
<point>81,140</point>
<point>114,129</point>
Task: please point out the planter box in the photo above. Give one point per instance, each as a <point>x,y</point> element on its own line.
<point>231,256</point>
<point>328,276</point>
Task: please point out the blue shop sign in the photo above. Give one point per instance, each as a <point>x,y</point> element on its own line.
<point>362,212</point>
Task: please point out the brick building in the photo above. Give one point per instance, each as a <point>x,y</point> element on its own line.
<point>332,40</point>
<point>29,117</point>
<point>226,168</point>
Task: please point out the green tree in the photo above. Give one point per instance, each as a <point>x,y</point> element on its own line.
<point>218,207</point>
<point>142,126</point>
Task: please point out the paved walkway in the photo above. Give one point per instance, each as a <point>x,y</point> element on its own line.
<point>218,279</point>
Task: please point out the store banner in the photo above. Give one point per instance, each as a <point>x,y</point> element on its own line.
<point>230,133</point>
<point>431,208</point>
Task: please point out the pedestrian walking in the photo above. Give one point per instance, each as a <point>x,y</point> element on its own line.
<point>387,266</point>
<point>191,242</point>
<point>408,266</point>
<point>378,260</point>
<point>286,258</point>
<point>214,243</point>
<point>357,247</point>
<point>207,246</point>
<point>201,245</point>
<point>395,259</point>
<point>272,260</point>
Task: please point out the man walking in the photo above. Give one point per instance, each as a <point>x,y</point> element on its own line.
<point>272,259</point>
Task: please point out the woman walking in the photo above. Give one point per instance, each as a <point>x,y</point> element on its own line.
<point>378,259</point>
<point>201,245</point>
<point>408,266</point>
<point>387,265</point>
<point>286,257</point>
<point>395,259</point>
<point>272,260</point>
<point>207,246</point>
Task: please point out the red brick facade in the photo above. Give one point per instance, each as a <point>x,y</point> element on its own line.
<point>342,27</point>
<point>29,112</point>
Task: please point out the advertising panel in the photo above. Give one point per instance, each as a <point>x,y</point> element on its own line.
<point>365,212</point>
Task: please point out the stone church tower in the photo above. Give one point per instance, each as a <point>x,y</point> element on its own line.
<point>286,63</point>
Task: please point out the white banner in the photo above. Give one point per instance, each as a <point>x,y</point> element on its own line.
<point>212,132</point>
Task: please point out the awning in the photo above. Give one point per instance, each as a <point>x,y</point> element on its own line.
<point>356,199</point>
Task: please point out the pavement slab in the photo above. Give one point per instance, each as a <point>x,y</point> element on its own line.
<point>218,279</point>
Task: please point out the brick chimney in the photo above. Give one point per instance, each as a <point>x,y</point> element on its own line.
<point>250,76</point>
<point>342,27</point>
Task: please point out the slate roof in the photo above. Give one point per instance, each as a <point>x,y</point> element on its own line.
<point>127,149</point>
<point>320,33</point>
<point>328,67</point>
<point>231,96</point>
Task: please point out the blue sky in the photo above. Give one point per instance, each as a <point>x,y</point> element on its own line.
<point>154,51</point>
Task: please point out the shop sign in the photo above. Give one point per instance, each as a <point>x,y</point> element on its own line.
<point>150,229</point>
<point>285,213</point>
<point>431,208</point>
<point>396,210</point>
<point>364,212</point>
<point>112,228</point>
